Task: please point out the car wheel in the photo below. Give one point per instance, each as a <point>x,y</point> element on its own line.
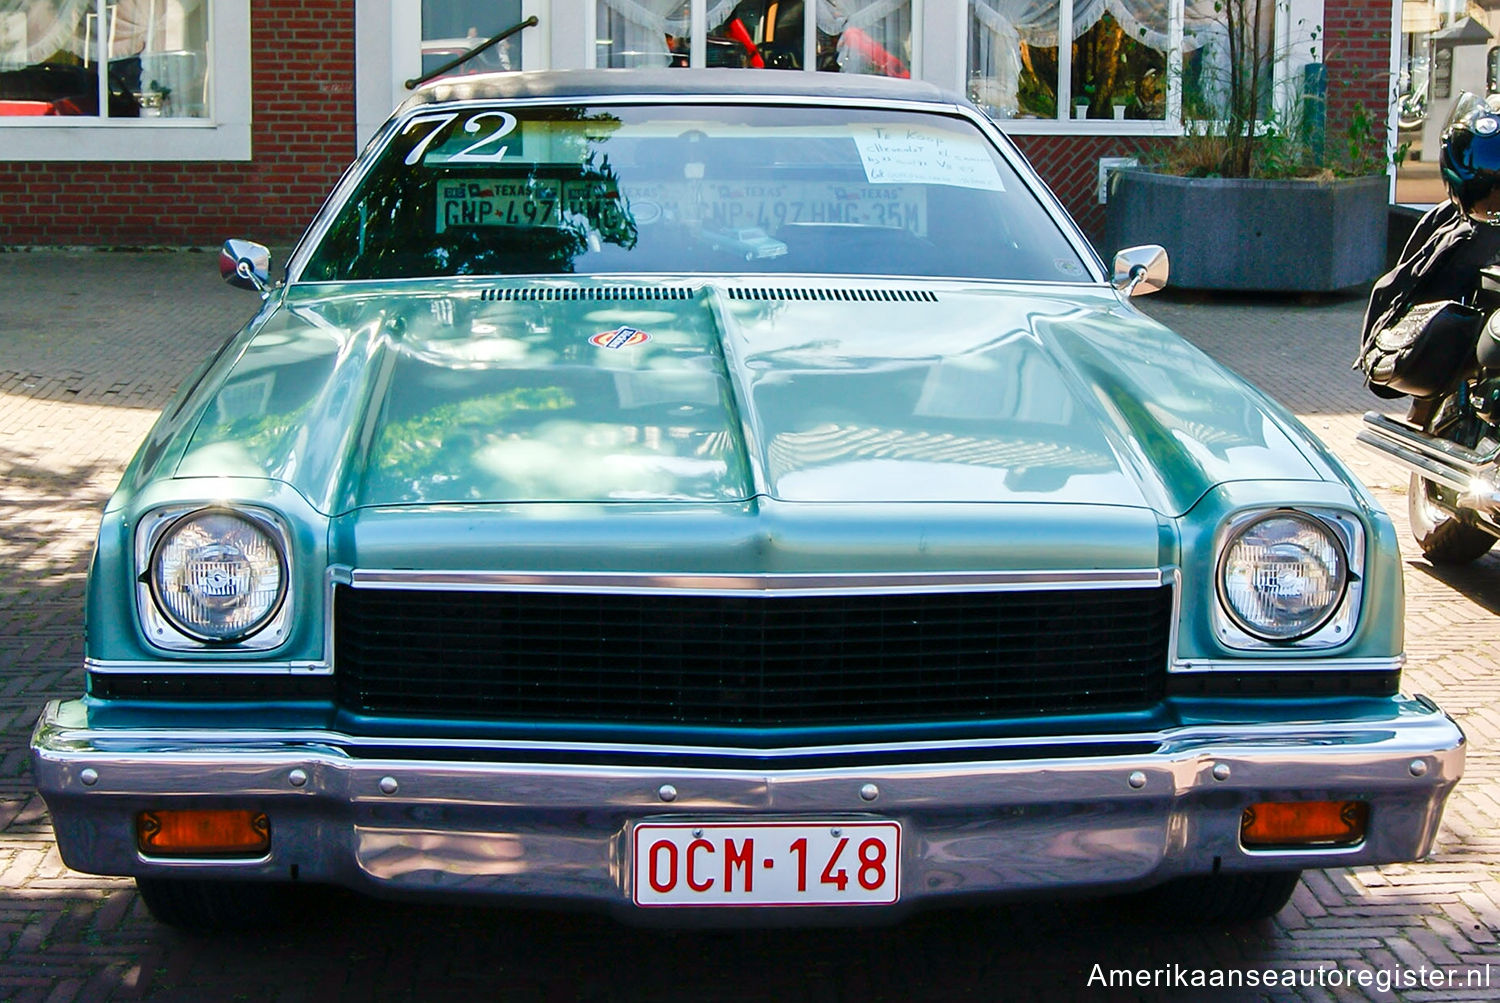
<point>1444,538</point>
<point>1224,899</point>
<point>200,906</point>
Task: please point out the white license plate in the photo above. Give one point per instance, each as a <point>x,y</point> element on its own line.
<point>766,863</point>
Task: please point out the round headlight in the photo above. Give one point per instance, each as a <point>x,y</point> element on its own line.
<point>1283,576</point>
<point>217,575</point>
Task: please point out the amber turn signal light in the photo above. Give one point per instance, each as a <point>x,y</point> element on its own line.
<point>1304,823</point>
<point>221,832</point>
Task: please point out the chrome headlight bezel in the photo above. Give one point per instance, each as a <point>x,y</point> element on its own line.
<point>1336,626</point>
<point>165,631</point>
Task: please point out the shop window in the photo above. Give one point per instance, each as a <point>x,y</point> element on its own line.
<point>1013,58</point>
<point>451,28</point>
<point>852,36</point>
<point>1116,65</point>
<point>871,36</point>
<point>637,33</point>
<point>1117,74</point>
<point>766,34</point>
<point>1119,65</point>
<point>1444,51</point>
<point>1207,53</point>
<point>154,56</point>
<point>125,64</point>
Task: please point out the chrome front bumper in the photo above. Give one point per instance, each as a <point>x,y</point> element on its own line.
<point>1016,816</point>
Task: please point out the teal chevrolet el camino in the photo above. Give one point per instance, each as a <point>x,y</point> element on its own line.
<point>536,542</point>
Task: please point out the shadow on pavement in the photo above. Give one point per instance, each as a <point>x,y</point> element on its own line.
<point>346,947</point>
<point>1479,582</point>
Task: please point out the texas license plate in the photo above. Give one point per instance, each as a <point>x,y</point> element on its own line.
<point>766,863</point>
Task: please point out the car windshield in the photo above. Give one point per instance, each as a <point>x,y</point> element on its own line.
<point>575,189</point>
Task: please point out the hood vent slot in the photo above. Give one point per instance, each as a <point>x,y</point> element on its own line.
<point>841,295</point>
<point>554,294</point>
<point>562,294</point>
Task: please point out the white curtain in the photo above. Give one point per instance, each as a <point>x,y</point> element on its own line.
<point>866,30</point>
<point>638,30</point>
<point>997,28</point>
<point>34,30</point>
<point>44,29</point>
<point>1211,35</point>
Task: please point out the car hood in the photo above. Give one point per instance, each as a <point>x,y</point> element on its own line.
<point>837,391</point>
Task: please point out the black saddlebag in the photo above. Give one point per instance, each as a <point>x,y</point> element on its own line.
<point>1423,352</point>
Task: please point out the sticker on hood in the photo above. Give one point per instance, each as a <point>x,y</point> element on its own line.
<point>621,337</point>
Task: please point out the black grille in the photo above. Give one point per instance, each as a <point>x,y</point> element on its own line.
<point>750,661</point>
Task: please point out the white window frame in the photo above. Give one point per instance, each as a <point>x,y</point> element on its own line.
<point>224,135</point>
<point>1393,113</point>
<point>388,50</point>
<point>1292,31</point>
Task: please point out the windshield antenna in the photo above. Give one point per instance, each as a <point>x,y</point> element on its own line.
<point>416,82</point>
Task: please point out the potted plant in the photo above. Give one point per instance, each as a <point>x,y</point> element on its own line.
<point>1082,102</point>
<point>1252,195</point>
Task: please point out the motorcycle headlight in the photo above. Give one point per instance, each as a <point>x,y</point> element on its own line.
<point>218,576</point>
<point>1282,576</point>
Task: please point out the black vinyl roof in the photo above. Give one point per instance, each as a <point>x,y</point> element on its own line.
<point>581,84</point>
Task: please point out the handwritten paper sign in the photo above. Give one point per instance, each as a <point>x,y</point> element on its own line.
<point>898,156</point>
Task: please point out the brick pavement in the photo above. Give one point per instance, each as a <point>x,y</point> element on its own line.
<point>92,344</point>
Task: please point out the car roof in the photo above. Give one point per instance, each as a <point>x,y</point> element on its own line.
<point>669,82</point>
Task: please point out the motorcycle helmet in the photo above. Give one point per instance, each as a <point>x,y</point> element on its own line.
<point>1470,157</point>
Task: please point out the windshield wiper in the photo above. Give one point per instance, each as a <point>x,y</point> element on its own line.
<point>416,82</point>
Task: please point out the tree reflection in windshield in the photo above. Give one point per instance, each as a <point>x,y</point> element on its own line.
<point>491,190</point>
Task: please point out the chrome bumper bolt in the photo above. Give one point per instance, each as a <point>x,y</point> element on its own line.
<point>1136,780</point>
<point>869,792</point>
<point>1418,767</point>
<point>89,776</point>
<point>667,793</point>
<point>388,785</point>
<point>1221,771</point>
<point>299,777</point>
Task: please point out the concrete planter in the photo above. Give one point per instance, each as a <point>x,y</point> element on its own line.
<point>1240,233</point>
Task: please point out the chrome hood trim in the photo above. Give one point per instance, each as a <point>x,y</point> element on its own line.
<point>762,584</point>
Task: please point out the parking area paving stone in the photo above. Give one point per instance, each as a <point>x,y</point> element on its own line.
<point>92,345</point>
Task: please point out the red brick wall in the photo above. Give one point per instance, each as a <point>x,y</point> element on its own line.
<point>302,65</point>
<point>1070,166</point>
<point>1357,53</point>
<point>303,135</point>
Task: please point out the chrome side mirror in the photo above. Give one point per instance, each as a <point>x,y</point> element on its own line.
<point>1141,270</point>
<point>246,264</point>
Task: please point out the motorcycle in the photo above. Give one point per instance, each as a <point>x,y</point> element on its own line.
<point>1433,331</point>
<point>1411,100</point>
<point>1450,444</point>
